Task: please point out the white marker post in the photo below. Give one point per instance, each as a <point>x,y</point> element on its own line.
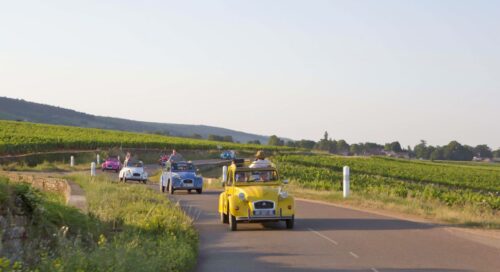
<point>224,174</point>
<point>72,161</point>
<point>98,159</point>
<point>92,169</point>
<point>345,184</point>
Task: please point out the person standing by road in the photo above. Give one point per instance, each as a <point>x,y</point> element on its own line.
<point>176,157</point>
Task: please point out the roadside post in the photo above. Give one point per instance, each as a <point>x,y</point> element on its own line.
<point>224,174</point>
<point>72,161</point>
<point>92,169</point>
<point>345,184</point>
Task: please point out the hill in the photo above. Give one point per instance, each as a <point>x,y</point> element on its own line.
<point>16,109</point>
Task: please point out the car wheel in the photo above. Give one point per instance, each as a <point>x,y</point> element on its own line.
<point>116,171</point>
<point>145,181</point>
<point>290,223</point>
<point>171,189</point>
<point>224,219</point>
<point>163,189</point>
<point>233,225</point>
<point>199,191</point>
<point>189,191</point>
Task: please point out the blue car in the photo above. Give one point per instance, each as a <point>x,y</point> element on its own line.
<point>180,176</point>
<point>227,155</point>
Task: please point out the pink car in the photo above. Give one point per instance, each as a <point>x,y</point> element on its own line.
<point>112,164</point>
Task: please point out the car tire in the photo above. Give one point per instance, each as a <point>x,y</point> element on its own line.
<point>116,171</point>
<point>199,191</point>
<point>189,191</point>
<point>224,219</point>
<point>290,223</point>
<point>163,189</point>
<point>233,224</point>
<point>171,190</point>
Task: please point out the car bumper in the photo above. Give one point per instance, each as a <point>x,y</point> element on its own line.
<point>255,219</point>
<point>187,187</point>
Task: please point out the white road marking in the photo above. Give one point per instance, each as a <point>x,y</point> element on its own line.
<point>374,269</point>
<point>323,236</point>
<point>354,254</point>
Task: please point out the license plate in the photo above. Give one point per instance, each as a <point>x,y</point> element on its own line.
<point>188,184</point>
<point>264,213</point>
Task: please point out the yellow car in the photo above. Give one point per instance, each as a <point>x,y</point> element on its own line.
<point>255,195</point>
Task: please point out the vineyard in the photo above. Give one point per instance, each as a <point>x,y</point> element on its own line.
<point>452,184</point>
<point>22,137</point>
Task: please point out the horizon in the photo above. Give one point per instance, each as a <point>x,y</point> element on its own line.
<point>378,72</point>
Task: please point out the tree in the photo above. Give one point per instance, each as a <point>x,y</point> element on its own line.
<point>307,144</point>
<point>342,146</point>
<point>274,140</point>
<point>457,152</point>
<point>421,151</point>
<point>227,138</point>
<point>196,136</point>
<point>256,142</point>
<point>437,154</point>
<point>325,136</point>
<point>394,147</point>
<point>496,153</point>
<point>355,149</point>
<point>212,137</point>
<point>483,151</point>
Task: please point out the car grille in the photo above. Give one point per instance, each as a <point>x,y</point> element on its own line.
<point>264,205</point>
<point>137,175</point>
<point>189,181</point>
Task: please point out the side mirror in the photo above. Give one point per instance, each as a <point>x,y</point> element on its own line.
<point>285,181</point>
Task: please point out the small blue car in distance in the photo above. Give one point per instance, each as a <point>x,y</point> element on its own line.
<point>228,155</point>
<point>180,176</point>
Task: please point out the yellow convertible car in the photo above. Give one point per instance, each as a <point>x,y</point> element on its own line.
<point>255,195</point>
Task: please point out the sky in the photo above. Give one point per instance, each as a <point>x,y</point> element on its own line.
<point>376,71</point>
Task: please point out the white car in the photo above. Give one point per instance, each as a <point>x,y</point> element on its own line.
<point>133,170</point>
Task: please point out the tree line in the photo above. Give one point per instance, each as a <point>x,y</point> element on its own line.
<point>453,151</point>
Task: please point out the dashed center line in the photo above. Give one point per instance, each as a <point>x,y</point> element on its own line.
<point>353,254</point>
<point>323,236</point>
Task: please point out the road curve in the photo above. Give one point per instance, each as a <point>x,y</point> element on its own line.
<point>329,238</point>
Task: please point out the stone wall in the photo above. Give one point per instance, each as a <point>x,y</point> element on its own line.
<point>14,222</point>
<point>43,183</point>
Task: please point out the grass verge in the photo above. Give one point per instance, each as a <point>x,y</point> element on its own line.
<point>128,228</point>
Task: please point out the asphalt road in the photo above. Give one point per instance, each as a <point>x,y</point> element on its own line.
<point>328,238</point>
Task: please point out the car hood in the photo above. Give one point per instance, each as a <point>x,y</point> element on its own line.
<point>135,169</point>
<point>254,193</point>
<point>111,163</point>
<point>184,175</point>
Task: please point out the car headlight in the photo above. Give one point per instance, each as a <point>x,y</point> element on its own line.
<point>241,196</point>
<point>283,194</point>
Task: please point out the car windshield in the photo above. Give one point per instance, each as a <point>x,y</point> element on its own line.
<point>135,164</point>
<point>182,167</point>
<point>256,176</point>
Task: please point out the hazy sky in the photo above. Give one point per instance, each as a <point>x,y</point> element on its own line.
<point>363,70</point>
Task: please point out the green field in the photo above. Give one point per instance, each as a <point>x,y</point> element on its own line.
<point>22,137</point>
<point>472,186</point>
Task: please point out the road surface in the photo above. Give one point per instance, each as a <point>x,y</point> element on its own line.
<point>329,238</point>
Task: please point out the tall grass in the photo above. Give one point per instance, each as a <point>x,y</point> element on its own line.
<point>128,228</point>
